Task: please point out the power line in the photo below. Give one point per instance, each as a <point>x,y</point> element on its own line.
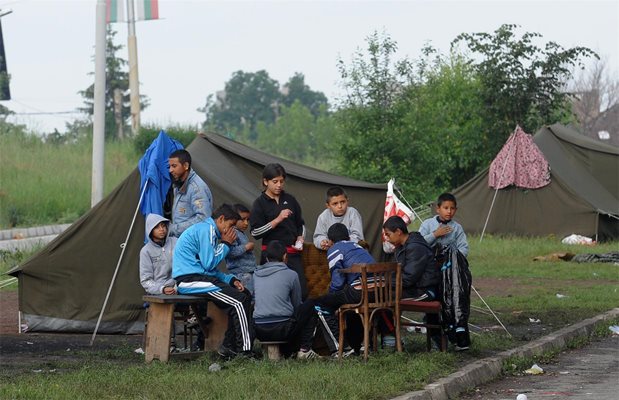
<point>46,113</point>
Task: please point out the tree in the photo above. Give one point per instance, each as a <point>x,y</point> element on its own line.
<point>522,83</point>
<point>248,97</point>
<point>117,111</point>
<point>596,100</point>
<point>296,90</point>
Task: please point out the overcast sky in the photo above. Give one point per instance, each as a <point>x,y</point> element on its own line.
<point>197,45</point>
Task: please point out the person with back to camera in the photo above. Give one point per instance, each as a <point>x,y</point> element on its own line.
<point>442,233</point>
<point>420,274</point>
<point>241,261</point>
<point>196,255</point>
<point>344,288</point>
<point>338,210</point>
<point>279,314</point>
<point>193,201</point>
<point>276,215</point>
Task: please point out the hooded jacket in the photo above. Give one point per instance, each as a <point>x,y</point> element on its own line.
<point>156,259</point>
<point>197,252</point>
<point>344,254</point>
<point>418,267</point>
<point>277,291</point>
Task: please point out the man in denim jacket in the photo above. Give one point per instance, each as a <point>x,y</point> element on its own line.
<point>193,201</point>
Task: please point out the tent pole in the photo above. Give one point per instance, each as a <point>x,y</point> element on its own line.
<point>481,237</point>
<point>122,253</point>
<point>406,201</point>
<point>493,314</point>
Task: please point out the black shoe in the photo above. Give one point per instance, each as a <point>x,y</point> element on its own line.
<point>462,341</point>
<point>249,354</point>
<point>226,353</point>
<point>198,345</point>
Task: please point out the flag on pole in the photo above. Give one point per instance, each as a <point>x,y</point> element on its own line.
<point>393,206</point>
<point>147,9</point>
<point>115,11</point>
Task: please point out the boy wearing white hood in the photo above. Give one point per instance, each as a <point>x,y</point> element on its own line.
<point>156,257</point>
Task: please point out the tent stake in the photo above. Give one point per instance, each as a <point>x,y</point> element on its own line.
<point>122,253</point>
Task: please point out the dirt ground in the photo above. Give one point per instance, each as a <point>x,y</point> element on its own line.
<point>34,350</point>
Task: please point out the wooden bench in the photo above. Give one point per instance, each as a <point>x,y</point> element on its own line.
<point>161,318</point>
<point>271,349</point>
<point>426,307</point>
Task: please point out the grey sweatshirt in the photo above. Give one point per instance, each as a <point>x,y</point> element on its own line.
<point>156,260</point>
<point>352,220</point>
<point>277,291</point>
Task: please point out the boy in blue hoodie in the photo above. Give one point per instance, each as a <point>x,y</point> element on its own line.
<point>196,255</point>
<point>279,314</point>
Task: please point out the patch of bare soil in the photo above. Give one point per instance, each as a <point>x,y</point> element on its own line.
<point>44,352</point>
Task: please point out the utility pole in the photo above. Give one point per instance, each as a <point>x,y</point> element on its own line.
<point>134,83</point>
<point>98,130</point>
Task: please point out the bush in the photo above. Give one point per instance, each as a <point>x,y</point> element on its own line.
<point>184,134</point>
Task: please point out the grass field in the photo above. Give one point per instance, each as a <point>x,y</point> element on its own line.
<point>45,183</point>
<point>516,288</point>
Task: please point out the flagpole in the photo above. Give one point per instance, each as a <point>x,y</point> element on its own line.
<point>134,83</point>
<point>98,127</point>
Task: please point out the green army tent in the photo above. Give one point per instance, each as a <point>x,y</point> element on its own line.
<point>63,286</point>
<point>582,197</point>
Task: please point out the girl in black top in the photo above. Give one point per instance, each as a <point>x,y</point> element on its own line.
<point>276,215</point>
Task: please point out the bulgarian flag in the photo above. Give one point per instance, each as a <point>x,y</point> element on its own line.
<point>147,9</point>
<point>115,11</point>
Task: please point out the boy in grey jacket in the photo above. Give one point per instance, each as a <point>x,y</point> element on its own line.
<point>156,257</point>
<point>279,314</point>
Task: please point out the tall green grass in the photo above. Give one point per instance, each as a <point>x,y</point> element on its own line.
<point>42,183</point>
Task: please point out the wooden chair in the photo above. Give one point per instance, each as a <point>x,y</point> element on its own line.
<point>426,307</point>
<point>382,292</point>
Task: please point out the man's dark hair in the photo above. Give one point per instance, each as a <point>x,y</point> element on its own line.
<point>227,211</point>
<point>239,208</point>
<point>338,232</point>
<point>446,197</point>
<point>274,170</point>
<point>275,251</point>
<point>182,155</point>
<point>335,191</point>
<point>393,223</point>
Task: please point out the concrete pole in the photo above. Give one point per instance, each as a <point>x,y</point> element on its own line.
<point>134,82</point>
<point>98,128</point>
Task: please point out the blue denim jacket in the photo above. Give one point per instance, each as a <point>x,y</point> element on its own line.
<point>193,203</point>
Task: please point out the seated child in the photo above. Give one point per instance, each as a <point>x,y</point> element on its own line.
<point>279,314</point>
<point>198,251</point>
<point>337,211</point>
<point>420,274</point>
<point>156,257</point>
<point>344,288</point>
<point>241,261</point>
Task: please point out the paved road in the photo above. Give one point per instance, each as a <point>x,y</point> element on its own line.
<point>591,373</point>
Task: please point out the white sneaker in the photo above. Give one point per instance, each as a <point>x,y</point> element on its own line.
<point>306,355</point>
<point>345,354</point>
